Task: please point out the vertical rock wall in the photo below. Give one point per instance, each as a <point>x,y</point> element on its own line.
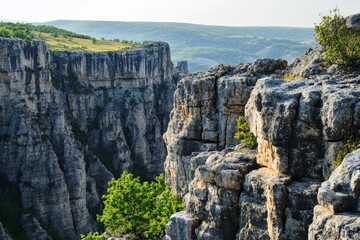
<point>300,126</point>
<point>69,122</point>
<point>206,107</point>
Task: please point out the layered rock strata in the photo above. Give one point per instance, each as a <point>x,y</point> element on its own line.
<point>297,123</point>
<point>300,127</point>
<point>212,210</point>
<point>206,107</point>
<point>69,122</point>
<point>338,214</point>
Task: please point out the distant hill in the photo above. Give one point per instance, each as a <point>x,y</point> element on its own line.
<point>204,46</point>
<point>60,39</point>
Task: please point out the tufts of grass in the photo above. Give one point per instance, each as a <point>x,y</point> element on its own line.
<point>63,43</point>
<point>62,40</point>
<point>289,76</point>
<point>349,147</point>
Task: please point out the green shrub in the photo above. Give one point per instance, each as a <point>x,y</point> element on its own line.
<point>139,209</point>
<point>92,236</point>
<point>341,44</point>
<point>244,133</point>
<point>349,147</point>
<point>23,31</point>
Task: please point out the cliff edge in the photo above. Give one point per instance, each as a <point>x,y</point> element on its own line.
<point>70,121</point>
<point>287,188</point>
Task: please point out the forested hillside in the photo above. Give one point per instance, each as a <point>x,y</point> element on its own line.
<point>204,46</point>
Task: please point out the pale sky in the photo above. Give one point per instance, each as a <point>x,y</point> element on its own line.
<point>300,13</point>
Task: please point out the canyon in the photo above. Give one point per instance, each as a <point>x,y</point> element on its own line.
<point>71,121</point>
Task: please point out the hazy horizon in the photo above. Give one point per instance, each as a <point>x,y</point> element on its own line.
<point>259,13</point>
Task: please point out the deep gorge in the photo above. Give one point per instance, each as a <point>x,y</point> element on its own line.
<point>71,121</point>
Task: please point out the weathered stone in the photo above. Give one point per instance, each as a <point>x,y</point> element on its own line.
<point>267,66</point>
<point>353,21</point>
<point>68,118</point>
<point>330,227</point>
<point>340,193</point>
<point>32,228</point>
<point>181,227</point>
<point>337,215</point>
<point>206,107</point>
<point>308,65</point>
<point>182,67</point>
<point>294,122</point>
<point>274,207</point>
<point>214,193</point>
<point>262,205</point>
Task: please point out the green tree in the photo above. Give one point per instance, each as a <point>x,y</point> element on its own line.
<point>139,209</point>
<point>244,133</point>
<point>341,43</point>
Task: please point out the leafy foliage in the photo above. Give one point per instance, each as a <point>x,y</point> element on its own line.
<point>341,44</point>
<point>139,209</point>
<point>26,31</point>
<point>92,236</point>
<point>60,39</point>
<point>244,133</point>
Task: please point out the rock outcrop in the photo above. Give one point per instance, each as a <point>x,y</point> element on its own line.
<point>212,210</point>
<point>296,124</point>
<point>71,121</point>
<point>300,127</point>
<point>206,107</point>
<point>338,214</point>
<point>297,121</point>
<point>353,21</point>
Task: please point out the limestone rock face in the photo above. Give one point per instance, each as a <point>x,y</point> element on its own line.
<point>33,229</point>
<point>353,21</point>
<point>71,121</point>
<point>308,65</point>
<point>296,121</point>
<point>206,107</point>
<point>338,214</point>
<point>274,207</point>
<point>181,227</point>
<point>212,209</point>
<point>300,127</point>
<point>182,67</point>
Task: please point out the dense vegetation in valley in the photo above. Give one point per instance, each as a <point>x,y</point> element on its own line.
<point>140,209</point>
<point>205,46</point>
<point>62,40</point>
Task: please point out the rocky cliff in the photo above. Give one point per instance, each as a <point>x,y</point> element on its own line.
<point>206,107</point>
<point>72,121</point>
<point>300,126</point>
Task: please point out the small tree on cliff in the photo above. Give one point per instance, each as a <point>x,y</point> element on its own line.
<point>139,209</point>
<point>244,133</point>
<point>341,43</point>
